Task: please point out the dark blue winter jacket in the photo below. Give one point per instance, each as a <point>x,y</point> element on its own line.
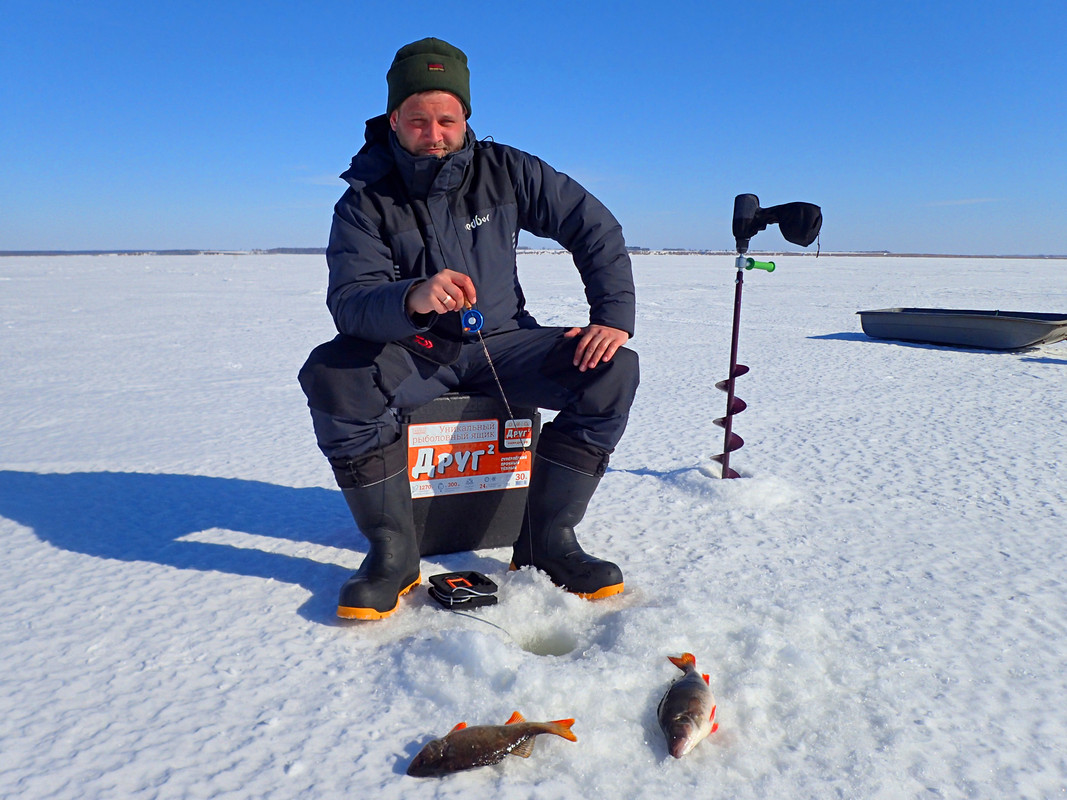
<point>408,217</point>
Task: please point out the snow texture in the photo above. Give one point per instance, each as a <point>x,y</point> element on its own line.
<point>879,600</point>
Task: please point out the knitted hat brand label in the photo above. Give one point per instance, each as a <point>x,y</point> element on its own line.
<point>428,65</point>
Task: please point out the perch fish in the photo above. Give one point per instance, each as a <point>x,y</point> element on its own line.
<point>687,711</point>
<point>481,745</point>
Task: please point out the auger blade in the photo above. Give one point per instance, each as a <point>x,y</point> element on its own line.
<point>734,442</point>
<point>727,472</point>
<point>739,370</point>
<point>736,407</point>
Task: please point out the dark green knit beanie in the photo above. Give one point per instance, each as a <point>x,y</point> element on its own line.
<point>426,65</point>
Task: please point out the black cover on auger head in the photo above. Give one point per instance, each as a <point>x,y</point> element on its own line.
<point>799,223</point>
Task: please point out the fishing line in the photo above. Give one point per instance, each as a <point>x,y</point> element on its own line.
<point>487,622</point>
<point>472,321</point>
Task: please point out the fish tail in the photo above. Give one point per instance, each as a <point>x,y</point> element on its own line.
<point>562,727</point>
<point>684,661</point>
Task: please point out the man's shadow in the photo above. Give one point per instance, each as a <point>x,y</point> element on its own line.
<point>140,517</point>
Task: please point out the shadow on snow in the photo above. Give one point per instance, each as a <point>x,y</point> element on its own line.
<point>862,337</point>
<point>142,517</point>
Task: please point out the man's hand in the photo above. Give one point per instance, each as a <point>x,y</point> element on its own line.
<point>597,344</point>
<point>448,290</point>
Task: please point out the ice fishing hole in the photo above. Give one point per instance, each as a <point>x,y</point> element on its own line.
<point>549,643</point>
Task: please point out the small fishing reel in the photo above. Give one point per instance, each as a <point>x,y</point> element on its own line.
<point>472,320</point>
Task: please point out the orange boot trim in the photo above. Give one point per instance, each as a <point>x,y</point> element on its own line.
<point>346,612</point>
<point>599,594</point>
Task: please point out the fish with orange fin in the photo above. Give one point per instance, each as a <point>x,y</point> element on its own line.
<point>687,711</point>
<point>466,747</point>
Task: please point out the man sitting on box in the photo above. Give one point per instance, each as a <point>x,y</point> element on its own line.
<point>428,228</point>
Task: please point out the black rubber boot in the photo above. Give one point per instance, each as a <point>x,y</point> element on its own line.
<point>391,568</point>
<point>557,500</point>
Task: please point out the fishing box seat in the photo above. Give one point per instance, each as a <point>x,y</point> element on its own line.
<point>469,469</point>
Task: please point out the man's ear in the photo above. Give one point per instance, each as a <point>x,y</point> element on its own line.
<point>393,118</point>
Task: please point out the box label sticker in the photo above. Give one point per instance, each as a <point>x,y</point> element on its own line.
<point>518,433</point>
<point>465,456</point>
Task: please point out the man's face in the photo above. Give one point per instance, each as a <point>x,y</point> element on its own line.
<point>430,124</point>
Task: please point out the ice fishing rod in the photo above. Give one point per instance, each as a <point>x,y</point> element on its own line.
<point>799,223</point>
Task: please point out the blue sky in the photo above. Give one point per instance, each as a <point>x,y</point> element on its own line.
<point>917,126</point>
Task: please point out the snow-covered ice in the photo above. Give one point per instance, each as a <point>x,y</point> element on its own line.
<point>880,600</point>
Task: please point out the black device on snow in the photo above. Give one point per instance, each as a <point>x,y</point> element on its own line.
<point>462,589</point>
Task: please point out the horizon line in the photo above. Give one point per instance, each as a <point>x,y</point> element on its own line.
<point>520,250</point>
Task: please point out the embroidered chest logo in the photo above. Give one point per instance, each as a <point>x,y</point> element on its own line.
<point>474,223</point>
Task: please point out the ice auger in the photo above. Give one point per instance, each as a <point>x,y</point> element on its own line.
<point>799,223</point>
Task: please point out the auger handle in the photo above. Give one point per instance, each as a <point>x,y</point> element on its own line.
<point>751,263</point>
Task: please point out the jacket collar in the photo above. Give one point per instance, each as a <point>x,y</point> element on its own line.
<point>422,175</point>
